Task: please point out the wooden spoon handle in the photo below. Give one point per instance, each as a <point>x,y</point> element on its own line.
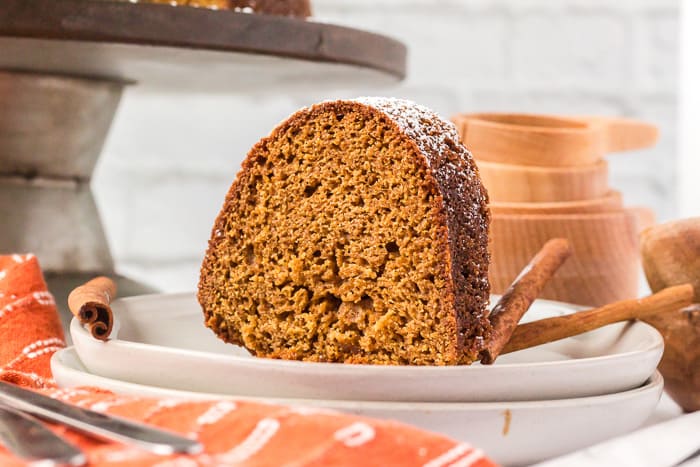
<point>624,134</point>
<point>552,329</point>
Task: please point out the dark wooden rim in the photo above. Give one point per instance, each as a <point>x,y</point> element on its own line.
<point>195,28</point>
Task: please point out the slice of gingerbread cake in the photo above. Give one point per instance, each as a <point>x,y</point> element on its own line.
<point>356,232</point>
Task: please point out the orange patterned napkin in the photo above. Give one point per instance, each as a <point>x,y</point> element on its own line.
<point>233,432</point>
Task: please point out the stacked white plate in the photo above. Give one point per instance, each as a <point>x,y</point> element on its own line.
<point>529,406</point>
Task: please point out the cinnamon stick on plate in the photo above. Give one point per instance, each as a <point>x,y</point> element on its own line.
<point>653,307</point>
<point>90,303</point>
<point>523,291</point>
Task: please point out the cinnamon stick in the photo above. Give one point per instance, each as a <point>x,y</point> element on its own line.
<point>523,291</point>
<point>540,332</point>
<point>90,304</point>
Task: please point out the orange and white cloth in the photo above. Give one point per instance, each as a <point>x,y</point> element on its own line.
<point>233,432</point>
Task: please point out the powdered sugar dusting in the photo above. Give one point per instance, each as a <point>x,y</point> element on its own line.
<point>432,134</point>
<point>415,120</point>
<point>465,198</point>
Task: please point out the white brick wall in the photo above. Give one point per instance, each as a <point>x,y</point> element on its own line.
<point>689,162</point>
<point>170,158</point>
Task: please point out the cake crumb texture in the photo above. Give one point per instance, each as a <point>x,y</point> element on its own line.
<point>357,232</point>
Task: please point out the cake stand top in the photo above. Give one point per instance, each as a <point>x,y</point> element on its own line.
<point>190,49</point>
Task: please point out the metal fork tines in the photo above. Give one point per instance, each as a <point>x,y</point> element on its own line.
<point>97,424</point>
<point>30,440</point>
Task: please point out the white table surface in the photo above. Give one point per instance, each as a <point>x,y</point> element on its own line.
<point>667,439</point>
<point>666,410</point>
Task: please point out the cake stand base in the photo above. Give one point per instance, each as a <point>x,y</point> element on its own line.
<point>52,129</point>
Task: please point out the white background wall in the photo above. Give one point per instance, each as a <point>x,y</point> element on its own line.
<point>689,154</point>
<point>170,158</point>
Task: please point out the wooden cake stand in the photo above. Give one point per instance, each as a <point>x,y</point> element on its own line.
<point>64,65</point>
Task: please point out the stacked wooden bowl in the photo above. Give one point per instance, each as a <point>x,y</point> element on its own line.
<point>547,177</point>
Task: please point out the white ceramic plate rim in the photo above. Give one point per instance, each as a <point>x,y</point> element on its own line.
<point>653,383</point>
<point>655,344</point>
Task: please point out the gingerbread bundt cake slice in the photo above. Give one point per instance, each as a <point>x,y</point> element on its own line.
<point>356,232</point>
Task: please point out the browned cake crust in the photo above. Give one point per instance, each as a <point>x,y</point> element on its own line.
<point>356,232</point>
<point>294,8</point>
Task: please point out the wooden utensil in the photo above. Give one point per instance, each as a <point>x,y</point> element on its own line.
<point>611,202</point>
<point>532,184</point>
<point>623,134</point>
<point>604,267</point>
<point>551,141</point>
<point>671,254</point>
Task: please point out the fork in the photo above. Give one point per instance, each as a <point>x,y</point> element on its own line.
<point>96,424</point>
<point>30,440</point>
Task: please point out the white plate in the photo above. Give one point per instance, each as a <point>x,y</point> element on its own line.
<point>537,430</point>
<point>162,341</point>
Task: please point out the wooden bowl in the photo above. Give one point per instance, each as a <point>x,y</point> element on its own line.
<point>549,140</point>
<point>604,267</point>
<point>529,184</point>
<point>611,202</point>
